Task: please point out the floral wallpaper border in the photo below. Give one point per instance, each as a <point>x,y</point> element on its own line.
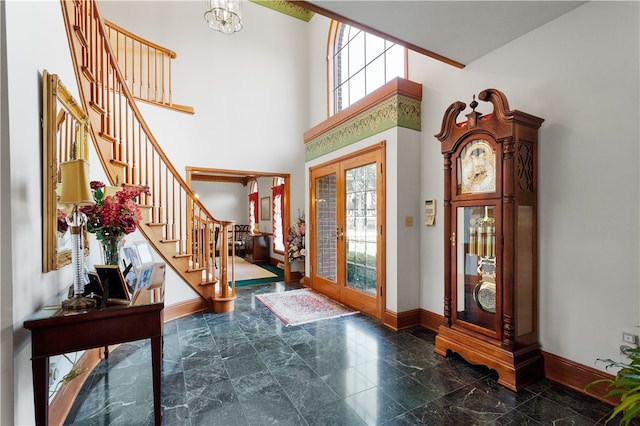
<point>287,8</point>
<point>397,111</point>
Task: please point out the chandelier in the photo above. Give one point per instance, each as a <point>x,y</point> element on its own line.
<point>223,15</point>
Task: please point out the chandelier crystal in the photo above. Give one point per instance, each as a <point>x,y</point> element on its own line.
<point>223,15</point>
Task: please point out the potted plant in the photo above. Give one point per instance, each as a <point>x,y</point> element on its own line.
<point>626,385</point>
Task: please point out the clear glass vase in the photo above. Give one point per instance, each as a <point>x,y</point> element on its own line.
<point>111,250</point>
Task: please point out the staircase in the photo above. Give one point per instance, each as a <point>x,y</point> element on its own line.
<point>175,222</point>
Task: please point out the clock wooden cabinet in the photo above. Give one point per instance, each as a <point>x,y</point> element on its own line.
<point>490,221</point>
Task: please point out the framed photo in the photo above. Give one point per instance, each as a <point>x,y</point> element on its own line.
<point>265,208</point>
<point>145,254</point>
<point>113,283</point>
<point>150,276</point>
<point>145,276</point>
<point>132,256</point>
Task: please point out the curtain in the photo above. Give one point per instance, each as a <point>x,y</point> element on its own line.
<point>277,195</point>
<point>253,210</point>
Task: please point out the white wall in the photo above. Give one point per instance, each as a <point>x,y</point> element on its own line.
<point>225,201</point>
<point>249,93</point>
<point>317,59</point>
<point>579,73</point>
<point>410,204</point>
<point>250,114</point>
<point>30,49</point>
<point>6,290</point>
<point>248,89</point>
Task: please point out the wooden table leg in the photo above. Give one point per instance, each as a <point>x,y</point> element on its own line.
<point>156,365</point>
<point>40,370</point>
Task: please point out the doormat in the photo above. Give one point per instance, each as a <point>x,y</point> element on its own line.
<point>297,307</point>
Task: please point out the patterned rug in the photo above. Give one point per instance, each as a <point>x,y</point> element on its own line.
<point>297,307</point>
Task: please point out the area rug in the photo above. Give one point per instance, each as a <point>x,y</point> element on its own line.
<point>278,275</point>
<point>248,271</point>
<point>297,307</point>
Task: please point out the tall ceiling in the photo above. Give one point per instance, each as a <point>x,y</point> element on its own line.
<point>457,32</point>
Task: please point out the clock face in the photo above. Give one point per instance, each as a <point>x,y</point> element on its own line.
<point>477,172</point>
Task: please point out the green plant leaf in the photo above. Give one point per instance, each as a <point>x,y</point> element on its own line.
<point>631,414</point>
<point>625,385</point>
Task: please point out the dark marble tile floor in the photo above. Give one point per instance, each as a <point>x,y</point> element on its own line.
<point>247,368</point>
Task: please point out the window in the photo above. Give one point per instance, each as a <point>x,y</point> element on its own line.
<point>253,205</point>
<point>277,207</point>
<point>360,63</point>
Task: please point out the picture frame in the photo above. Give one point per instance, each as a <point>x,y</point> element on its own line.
<point>113,283</point>
<point>131,254</point>
<point>265,208</point>
<point>145,254</point>
<point>150,276</point>
<point>144,276</point>
<point>60,112</point>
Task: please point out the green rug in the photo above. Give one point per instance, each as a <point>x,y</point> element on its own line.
<point>279,272</point>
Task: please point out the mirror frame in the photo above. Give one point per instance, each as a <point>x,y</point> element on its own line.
<point>54,96</point>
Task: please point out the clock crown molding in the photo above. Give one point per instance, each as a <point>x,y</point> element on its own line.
<point>499,122</point>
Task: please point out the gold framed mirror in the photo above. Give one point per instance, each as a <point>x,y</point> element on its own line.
<point>65,137</point>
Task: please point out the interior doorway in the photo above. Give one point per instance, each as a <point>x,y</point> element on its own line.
<point>243,177</point>
<point>347,244</point>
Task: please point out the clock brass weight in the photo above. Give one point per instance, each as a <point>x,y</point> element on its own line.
<point>491,259</point>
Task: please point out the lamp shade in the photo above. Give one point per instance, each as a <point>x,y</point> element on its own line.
<point>75,183</point>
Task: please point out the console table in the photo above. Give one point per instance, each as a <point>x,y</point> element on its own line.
<point>54,332</point>
<point>257,248</point>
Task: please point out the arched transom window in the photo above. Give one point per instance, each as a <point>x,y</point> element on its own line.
<point>360,63</point>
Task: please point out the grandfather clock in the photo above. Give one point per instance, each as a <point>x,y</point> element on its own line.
<point>491,250</point>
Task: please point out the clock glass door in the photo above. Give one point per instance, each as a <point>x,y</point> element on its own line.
<point>477,283</point>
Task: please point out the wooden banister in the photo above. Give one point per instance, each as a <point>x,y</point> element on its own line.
<point>146,67</point>
<point>177,223</point>
<point>113,27</point>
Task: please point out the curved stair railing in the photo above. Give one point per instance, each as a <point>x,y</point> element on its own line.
<point>146,67</point>
<point>175,222</point>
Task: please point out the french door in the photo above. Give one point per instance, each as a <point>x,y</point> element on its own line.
<point>347,229</point>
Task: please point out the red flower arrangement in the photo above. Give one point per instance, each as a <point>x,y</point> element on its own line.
<point>113,216</point>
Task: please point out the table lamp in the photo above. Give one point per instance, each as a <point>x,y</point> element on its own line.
<point>76,192</point>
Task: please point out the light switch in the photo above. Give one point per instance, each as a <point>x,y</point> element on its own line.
<point>408,221</point>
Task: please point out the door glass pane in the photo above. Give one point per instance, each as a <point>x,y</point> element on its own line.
<point>476,288</point>
<point>360,228</point>
<point>326,224</point>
